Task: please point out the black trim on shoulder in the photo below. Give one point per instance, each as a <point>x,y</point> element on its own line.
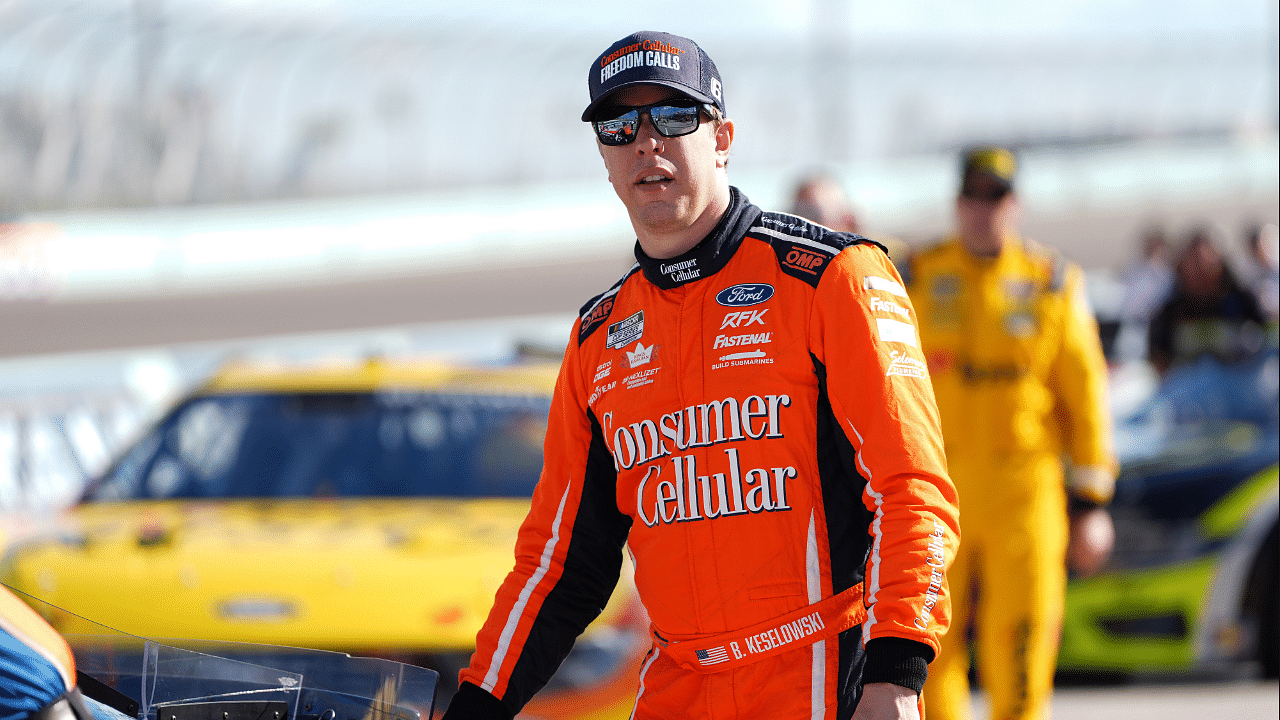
<point>597,310</point>
<point>804,249</point>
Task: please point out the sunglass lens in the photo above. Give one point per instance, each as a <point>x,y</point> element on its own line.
<point>618,130</point>
<point>674,121</point>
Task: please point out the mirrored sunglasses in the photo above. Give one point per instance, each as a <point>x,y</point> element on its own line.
<point>671,118</point>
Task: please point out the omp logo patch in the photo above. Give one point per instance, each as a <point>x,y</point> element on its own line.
<point>625,332</point>
<point>593,319</point>
<point>804,260</point>
<point>599,312</point>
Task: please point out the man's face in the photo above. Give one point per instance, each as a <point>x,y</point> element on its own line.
<point>986,208</point>
<point>667,184</point>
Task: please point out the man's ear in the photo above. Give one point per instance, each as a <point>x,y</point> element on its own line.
<point>724,141</point>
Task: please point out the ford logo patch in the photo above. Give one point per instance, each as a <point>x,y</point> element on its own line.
<point>744,295</point>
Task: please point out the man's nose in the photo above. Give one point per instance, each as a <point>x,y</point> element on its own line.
<point>648,139</point>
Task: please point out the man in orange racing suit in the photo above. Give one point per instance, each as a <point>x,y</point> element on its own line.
<point>1021,381</point>
<point>748,411</point>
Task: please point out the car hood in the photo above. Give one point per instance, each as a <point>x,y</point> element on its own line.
<point>355,574</point>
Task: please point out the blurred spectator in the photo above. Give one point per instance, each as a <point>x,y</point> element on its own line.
<point>822,199</point>
<point>1263,266</point>
<point>1147,284</point>
<point>1209,311</point>
<point>1021,382</point>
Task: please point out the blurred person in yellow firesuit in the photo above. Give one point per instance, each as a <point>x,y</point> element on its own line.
<point>1021,384</point>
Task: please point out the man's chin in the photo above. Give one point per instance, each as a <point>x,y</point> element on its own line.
<point>662,215</point>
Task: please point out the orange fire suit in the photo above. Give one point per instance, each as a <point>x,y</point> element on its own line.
<point>754,421</point>
<point>1020,380</point>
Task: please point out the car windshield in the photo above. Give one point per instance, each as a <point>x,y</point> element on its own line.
<point>336,445</point>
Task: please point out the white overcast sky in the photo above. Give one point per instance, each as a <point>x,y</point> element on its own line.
<point>867,19</point>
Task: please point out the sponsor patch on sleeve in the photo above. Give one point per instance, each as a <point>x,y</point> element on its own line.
<point>874,282</point>
<point>896,331</point>
<point>903,365</point>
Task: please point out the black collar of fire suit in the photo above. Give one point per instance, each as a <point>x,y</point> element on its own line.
<point>708,256</point>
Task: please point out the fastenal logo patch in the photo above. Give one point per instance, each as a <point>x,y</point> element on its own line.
<point>724,341</point>
<point>744,294</point>
<point>625,332</point>
<point>889,306</point>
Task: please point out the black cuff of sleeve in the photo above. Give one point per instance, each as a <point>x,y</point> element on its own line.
<point>898,661</point>
<point>471,702</point>
<point>1077,505</point>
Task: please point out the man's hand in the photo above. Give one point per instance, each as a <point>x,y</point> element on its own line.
<point>886,701</point>
<point>1093,535</point>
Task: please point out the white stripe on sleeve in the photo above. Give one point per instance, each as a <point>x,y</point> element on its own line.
<point>509,630</point>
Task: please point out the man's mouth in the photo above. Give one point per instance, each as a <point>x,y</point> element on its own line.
<point>651,179</point>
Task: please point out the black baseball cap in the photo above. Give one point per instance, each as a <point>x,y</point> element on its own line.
<point>654,58</point>
<point>997,163</point>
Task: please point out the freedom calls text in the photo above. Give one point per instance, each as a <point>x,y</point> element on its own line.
<point>674,489</point>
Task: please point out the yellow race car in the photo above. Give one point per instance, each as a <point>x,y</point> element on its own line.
<point>368,508</point>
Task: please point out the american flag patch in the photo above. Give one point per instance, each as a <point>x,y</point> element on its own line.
<point>713,656</point>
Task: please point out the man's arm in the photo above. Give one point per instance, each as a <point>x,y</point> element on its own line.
<point>1079,383</point>
<point>864,333</point>
<point>568,557</point>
